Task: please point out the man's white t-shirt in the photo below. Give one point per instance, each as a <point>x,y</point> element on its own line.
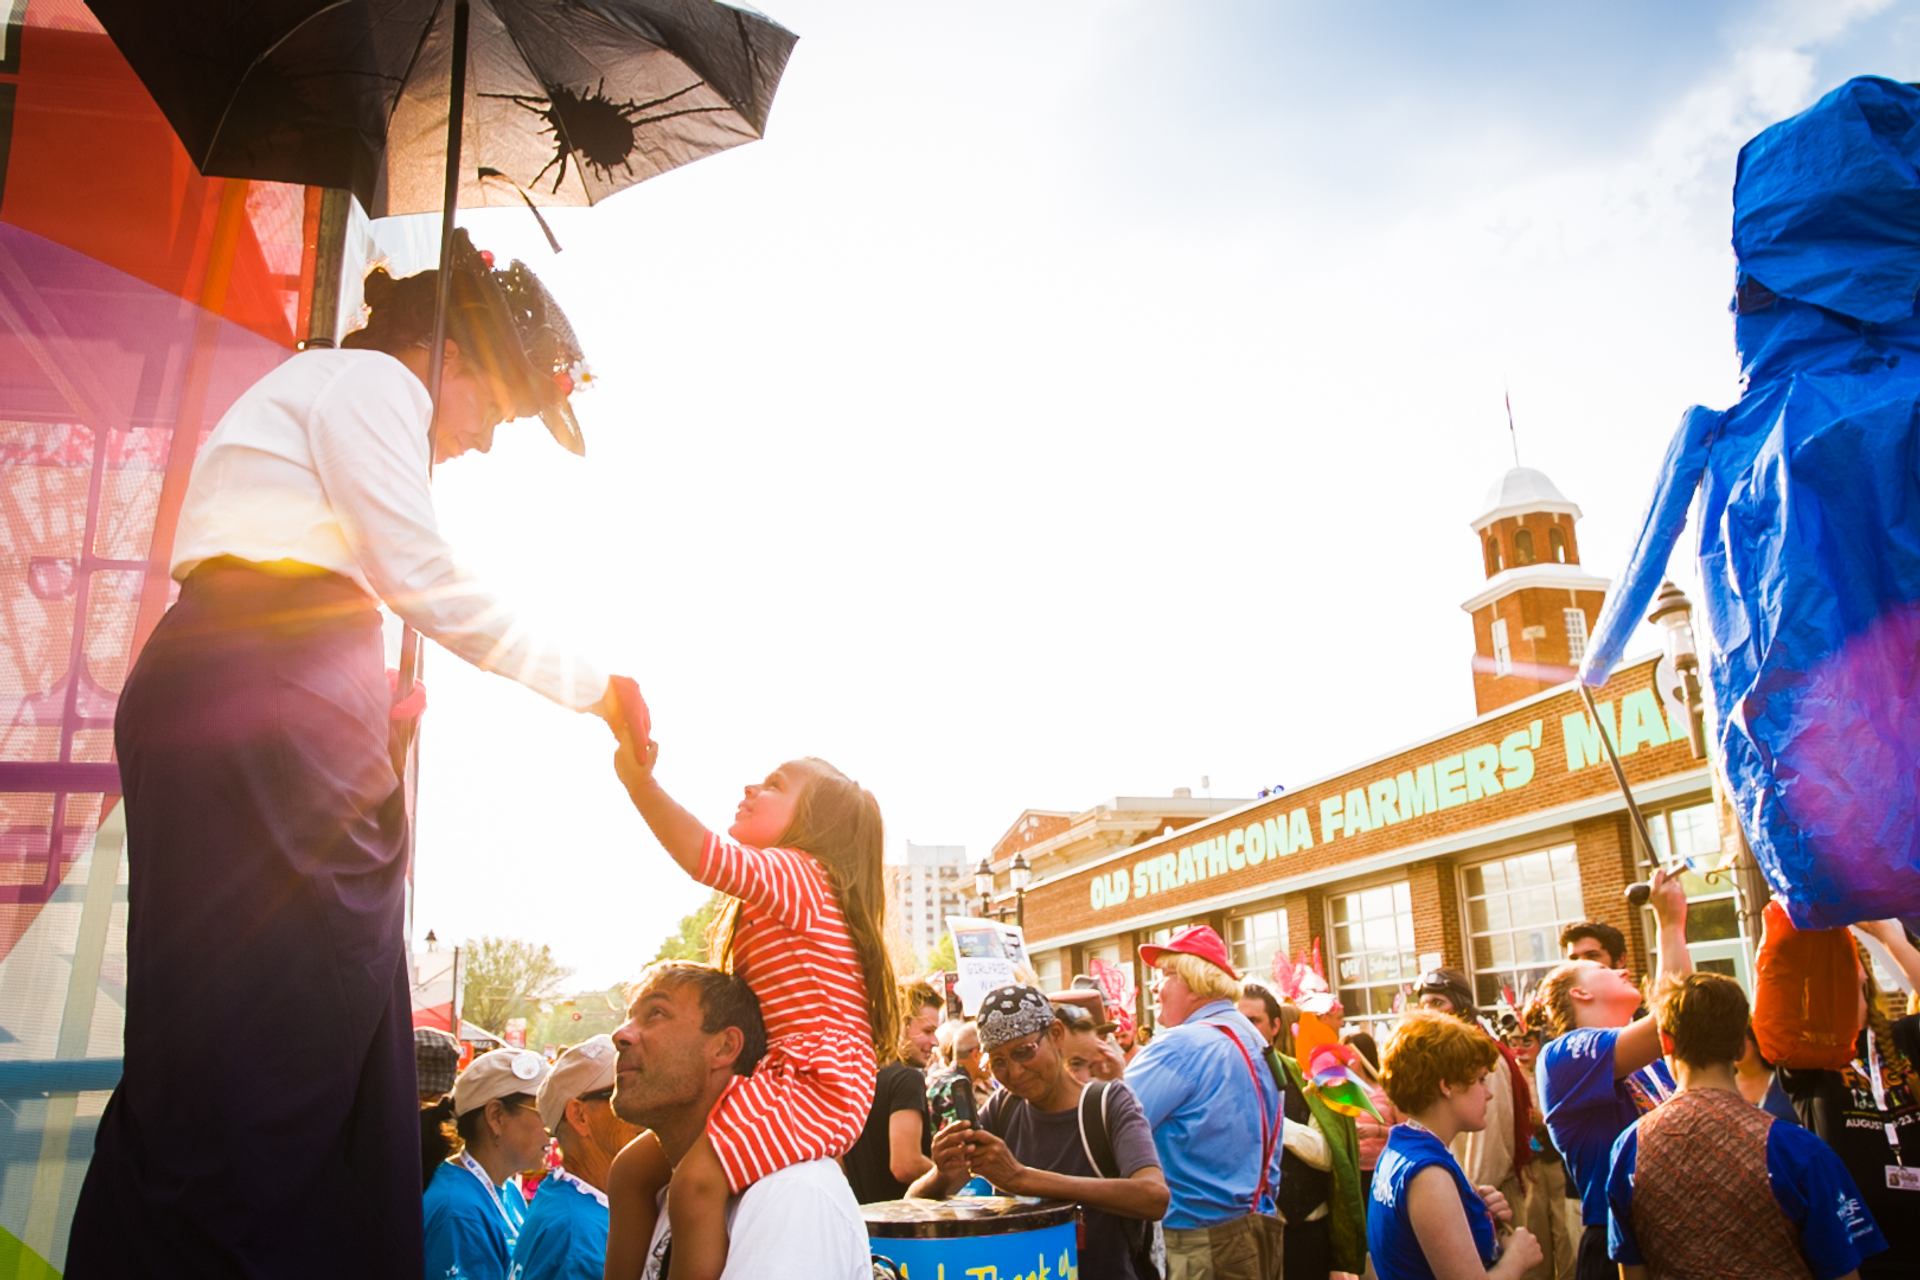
<point>797,1221</point>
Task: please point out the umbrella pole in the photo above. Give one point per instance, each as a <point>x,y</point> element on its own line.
<point>436,354</point>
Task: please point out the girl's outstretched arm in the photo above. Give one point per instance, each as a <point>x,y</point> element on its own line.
<point>678,831</point>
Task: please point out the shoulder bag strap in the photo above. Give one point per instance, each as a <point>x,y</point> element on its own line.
<point>1268,1134</point>
<point>1095,1138</point>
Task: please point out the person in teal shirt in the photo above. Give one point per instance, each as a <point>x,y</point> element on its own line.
<point>565,1236</point>
<point>473,1207</point>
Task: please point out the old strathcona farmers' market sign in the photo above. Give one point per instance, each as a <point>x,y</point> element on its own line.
<point>1463,773</point>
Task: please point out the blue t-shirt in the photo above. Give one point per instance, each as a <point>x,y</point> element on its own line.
<point>1809,1182</point>
<point>1587,1109</point>
<point>468,1233</point>
<point>565,1235</point>
<point>1391,1243</point>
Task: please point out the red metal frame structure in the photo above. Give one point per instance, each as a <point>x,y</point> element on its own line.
<point>137,299</point>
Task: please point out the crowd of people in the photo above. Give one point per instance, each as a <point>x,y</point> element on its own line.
<point>1602,1132</point>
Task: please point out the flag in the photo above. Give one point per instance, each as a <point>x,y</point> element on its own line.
<point>1116,989</point>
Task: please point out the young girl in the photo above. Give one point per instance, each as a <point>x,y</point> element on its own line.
<point>802,862</point>
<point>1426,1221</point>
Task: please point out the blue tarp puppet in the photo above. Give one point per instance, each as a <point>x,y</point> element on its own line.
<point>1807,498</point>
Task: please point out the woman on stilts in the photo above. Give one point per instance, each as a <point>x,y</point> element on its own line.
<point>266,1121</point>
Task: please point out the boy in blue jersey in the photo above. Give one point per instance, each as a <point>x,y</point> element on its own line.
<point>1711,1185</point>
<point>1602,1069</point>
<point>565,1234</point>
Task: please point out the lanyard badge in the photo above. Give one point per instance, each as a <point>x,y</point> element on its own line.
<point>472,1166</point>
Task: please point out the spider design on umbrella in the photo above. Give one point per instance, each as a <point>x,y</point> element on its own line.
<point>598,131</point>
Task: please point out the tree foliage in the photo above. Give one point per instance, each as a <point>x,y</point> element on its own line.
<point>939,957</point>
<point>689,941</point>
<point>506,978</point>
<point>569,1019</point>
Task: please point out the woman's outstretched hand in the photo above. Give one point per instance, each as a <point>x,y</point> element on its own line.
<point>625,712</point>
<point>622,707</point>
<point>678,831</point>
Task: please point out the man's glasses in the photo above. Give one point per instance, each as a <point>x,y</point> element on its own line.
<point>1018,1055</point>
<point>598,1095</point>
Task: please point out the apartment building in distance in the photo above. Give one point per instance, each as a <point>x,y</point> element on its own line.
<point>933,883</point>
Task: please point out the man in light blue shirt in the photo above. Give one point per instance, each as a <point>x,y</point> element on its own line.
<point>1211,1097</point>
<point>565,1234</point>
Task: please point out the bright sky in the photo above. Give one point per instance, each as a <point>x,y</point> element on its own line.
<point>1076,400</point>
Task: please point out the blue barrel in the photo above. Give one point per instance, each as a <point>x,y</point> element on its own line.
<point>1003,1236</point>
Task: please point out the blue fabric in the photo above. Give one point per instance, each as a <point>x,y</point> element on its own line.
<point>564,1236</point>
<point>1777,1104</point>
<point>1587,1109</point>
<point>466,1236</point>
<point>1194,1089</point>
<point>1391,1243</point>
<point>1809,512</point>
<point>515,1204</point>
<point>1809,1183</point>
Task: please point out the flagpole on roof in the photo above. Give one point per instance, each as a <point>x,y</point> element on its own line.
<point>1512,434</point>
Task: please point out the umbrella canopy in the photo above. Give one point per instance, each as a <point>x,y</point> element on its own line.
<point>568,100</point>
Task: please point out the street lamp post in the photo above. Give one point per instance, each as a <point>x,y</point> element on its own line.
<point>1673,612</point>
<point>1019,875</point>
<point>983,885</point>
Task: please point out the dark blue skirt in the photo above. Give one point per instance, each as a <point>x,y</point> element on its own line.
<point>267,1122</point>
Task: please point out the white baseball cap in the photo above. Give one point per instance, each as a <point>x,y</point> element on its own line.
<point>585,1068</point>
<point>498,1074</point>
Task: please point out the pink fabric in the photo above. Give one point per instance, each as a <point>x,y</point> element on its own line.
<point>1373,1133</point>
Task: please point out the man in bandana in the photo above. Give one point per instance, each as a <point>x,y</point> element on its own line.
<point>1035,1135</point>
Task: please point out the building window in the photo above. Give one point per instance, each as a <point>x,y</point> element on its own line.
<point>1692,834</point>
<point>1502,655</point>
<point>1515,907</point>
<point>1051,968</point>
<point>1373,952</point>
<point>1557,545</point>
<point>1576,634</point>
<point>1523,546</point>
<point>1254,940</point>
<point>1493,555</point>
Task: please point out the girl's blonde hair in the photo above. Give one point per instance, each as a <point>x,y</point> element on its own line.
<point>1895,1062</point>
<point>1551,1010</point>
<point>838,821</point>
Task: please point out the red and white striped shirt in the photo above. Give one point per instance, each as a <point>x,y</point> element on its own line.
<point>810,1095</point>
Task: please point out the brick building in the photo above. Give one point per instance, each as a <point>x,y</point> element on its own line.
<point>1468,848</point>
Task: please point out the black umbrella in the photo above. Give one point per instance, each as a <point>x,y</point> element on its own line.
<point>418,105</point>
<point>571,100</point>
<point>568,101</point>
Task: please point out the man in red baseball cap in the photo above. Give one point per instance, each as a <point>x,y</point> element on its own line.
<point>1207,1089</point>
